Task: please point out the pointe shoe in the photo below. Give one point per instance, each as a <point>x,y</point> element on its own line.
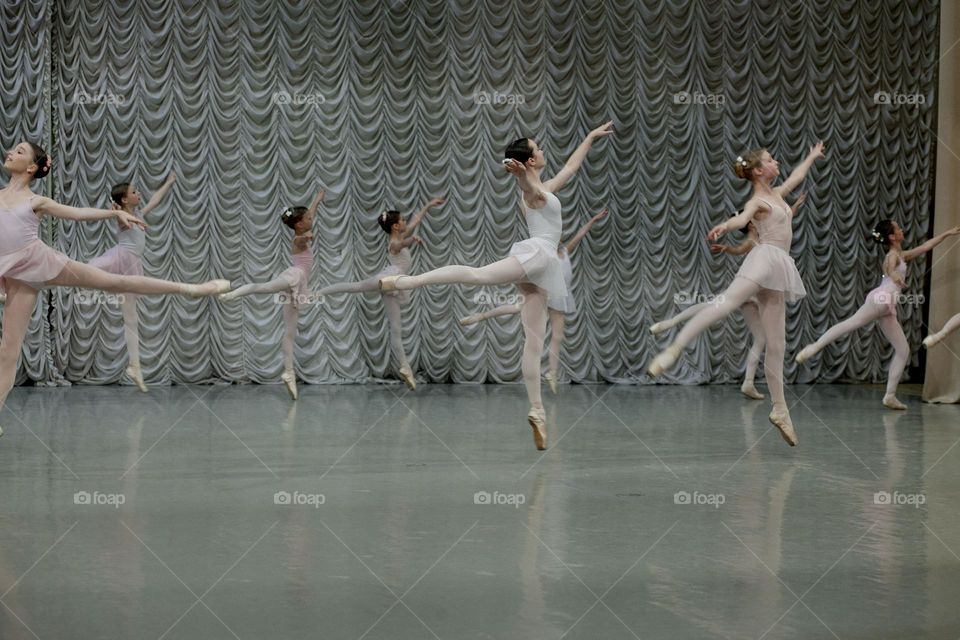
<point>751,392</point>
<point>551,381</point>
<point>471,319</point>
<point>389,283</point>
<point>538,422</point>
<point>931,340</point>
<point>137,377</point>
<point>806,353</point>
<point>891,402</point>
<point>664,361</point>
<point>290,379</point>
<point>659,327</point>
<point>228,296</point>
<point>211,288</point>
<point>783,424</point>
<point>406,374</point>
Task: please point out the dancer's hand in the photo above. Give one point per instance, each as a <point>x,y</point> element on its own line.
<point>716,232</point>
<point>128,220</point>
<point>600,216</point>
<point>953,232</point>
<point>417,239</point>
<point>718,248</point>
<point>321,195</point>
<point>816,151</point>
<point>436,202</point>
<point>603,130</point>
<point>172,178</point>
<point>799,201</point>
<point>516,168</point>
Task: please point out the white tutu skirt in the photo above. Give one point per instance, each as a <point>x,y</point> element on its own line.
<point>33,265</point>
<point>886,296</point>
<point>402,296</point>
<point>772,268</point>
<point>119,260</point>
<point>566,304</point>
<point>540,263</point>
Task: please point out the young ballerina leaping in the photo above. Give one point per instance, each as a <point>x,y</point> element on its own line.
<point>126,259</point>
<point>27,264</point>
<point>398,254</point>
<point>294,281</point>
<point>768,272</point>
<point>533,264</point>
<point>750,309</point>
<point>557,309</point>
<point>881,305</point>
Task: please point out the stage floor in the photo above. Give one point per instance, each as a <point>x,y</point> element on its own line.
<point>372,512</point>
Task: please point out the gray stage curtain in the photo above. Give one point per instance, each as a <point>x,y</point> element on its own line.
<point>256,104</point>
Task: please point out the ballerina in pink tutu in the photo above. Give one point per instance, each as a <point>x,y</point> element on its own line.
<point>27,264</point>
<point>768,272</point>
<point>557,308</point>
<point>881,305</point>
<point>533,264</point>
<point>293,282</point>
<point>126,259</point>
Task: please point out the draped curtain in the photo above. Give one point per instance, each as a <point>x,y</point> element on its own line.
<point>257,104</point>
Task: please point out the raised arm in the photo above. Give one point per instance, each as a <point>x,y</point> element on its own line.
<point>158,196</point>
<point>316,202</point>
<point>419,215</point>
<point>795,178</point>
<point>584,230</point>
<point>46,206</point>
<point>575,160</point>
<point>929,245</point>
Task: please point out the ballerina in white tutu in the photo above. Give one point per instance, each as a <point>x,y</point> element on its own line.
<point>533,264</point>
<point>292,283</point>
<point>768,272</point>
<point>27,264</point>
<point>398,255</point>
<point>750,309</point>
<point>558,310</point>
<point>126,259</point>
<point>881,305</point>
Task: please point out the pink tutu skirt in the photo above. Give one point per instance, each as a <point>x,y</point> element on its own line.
<point>120,261</point>
<point>772,268</point>
<point>540,263</point>
<point>34,264</point>
<point>298,280</point>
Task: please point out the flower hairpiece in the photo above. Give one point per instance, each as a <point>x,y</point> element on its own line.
<point>287,213</point>
<point>877,236</point>
<point>48,163</point>
<point>383,216</point>
<point>741,161</point>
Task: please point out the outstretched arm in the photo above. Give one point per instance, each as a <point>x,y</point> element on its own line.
<point>46,206</point>
<point>575,160</point>
<point>158,196</point>
<point>738,221</point>
<point>419,215</point>
<point>584,230</point>
<point>929,245</point>
<point>795,178</point>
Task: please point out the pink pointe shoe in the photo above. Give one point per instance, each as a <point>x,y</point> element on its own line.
<point>389,283</point>
<point>211,288</point>
<point>537,418</point>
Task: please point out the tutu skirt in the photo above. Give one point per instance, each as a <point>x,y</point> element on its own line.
<point>542,267</point>
<point>772,268</point>
<point>298,280</point>
<point>34,264</point>
<point>885,296</point>
<point>119,260</point>
<point>392,270</point>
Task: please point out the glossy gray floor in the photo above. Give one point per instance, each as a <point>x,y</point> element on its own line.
<point>371,512</point>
